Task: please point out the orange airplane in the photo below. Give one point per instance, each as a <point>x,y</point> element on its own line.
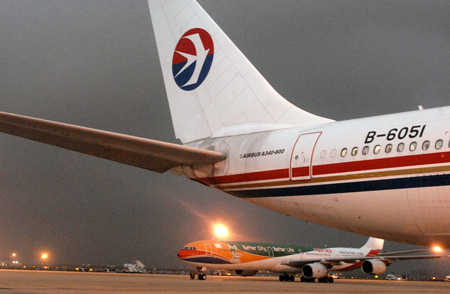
<point>246,258</point>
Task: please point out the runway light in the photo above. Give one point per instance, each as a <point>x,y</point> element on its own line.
<point>220,231</point>
<point>437,249</point>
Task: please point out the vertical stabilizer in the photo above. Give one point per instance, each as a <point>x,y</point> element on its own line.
<point>213,89</point>
<point>374,243</point>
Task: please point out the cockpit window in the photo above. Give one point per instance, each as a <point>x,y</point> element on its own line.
<point>189,248</point>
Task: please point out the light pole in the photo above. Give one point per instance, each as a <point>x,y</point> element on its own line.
<point>44,258</point>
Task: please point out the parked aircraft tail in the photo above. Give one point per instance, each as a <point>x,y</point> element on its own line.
<point>213,89</point>
<point>374,243</point>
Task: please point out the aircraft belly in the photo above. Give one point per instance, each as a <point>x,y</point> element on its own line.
<point>272,264</point>
<point>396,215</point>
<point>431,210</point>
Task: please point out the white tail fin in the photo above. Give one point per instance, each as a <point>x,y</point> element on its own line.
<point>374,243</point>
<point>213,90</point>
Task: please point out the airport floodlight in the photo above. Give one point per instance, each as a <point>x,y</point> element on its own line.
<point>221,231</point>
<point>437,249</point>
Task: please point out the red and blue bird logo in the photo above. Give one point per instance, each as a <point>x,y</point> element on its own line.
<point>192,59</point>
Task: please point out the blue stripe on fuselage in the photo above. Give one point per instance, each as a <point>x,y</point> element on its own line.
<point>339,188</point>
<point>206,259</point>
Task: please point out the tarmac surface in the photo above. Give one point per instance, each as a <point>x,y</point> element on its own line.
<point>21,281</point>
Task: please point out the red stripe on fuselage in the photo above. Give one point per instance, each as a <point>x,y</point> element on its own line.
<point>383,163</point>
<point>372,253</point>
<point>247,177</point>
<point>334,168</point>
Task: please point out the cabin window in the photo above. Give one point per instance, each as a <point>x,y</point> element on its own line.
<point>401,147</point>
<point>323,153</point>
<point>344,152</point>
<point>333,153</point>
<point>354,151</point>
<point>439,144</point>
<point>365,150</point>
<point>388,148</point>
<point>377,149</point>
<point>413,146</point>
<point>426,145</point>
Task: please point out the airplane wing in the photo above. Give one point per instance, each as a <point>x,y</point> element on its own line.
<point>299,263</point>
<point>401,252</point>
<point>149,154</point>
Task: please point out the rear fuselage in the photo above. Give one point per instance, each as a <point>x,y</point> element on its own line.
<point>385,176</point>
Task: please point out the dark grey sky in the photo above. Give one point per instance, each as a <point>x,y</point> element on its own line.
<point>95,64</point>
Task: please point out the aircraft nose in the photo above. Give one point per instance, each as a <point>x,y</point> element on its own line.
<point>182,253</point>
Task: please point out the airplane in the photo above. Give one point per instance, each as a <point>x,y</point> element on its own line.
<point>247,258</point>
<point>385,176</point>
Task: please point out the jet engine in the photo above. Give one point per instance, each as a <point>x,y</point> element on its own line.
<point>314,270</point>
<point>246,273</point>
<point>373,267</point>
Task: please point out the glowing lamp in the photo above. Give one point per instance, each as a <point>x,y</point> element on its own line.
<point>220,231</point>
<point>437,249</point>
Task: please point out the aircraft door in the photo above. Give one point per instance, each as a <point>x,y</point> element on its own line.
<point>208,249</point>
<point>301,159</point>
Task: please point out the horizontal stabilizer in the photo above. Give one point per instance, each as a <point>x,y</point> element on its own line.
<point>139,152</point>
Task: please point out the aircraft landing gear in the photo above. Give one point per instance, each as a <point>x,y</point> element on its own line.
<point>303,279</point>
<point>329,279</point>
<point>201,273</point>
<point>287,278</point>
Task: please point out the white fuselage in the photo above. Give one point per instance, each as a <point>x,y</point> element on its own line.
<point>275,263</point>
<point>362,175</point>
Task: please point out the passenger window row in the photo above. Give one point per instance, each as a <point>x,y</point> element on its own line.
<point>389,147</point>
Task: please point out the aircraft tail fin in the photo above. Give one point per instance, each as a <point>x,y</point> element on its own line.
<point>374,243</point>
<point>213,89</point>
